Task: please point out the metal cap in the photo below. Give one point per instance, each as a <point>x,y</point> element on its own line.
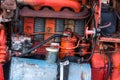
<point>52,49</point>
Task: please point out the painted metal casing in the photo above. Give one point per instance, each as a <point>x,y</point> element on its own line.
<point>79,72</point>
<point>31,69</point>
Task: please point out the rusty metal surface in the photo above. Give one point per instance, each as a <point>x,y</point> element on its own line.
<point>8,4</point>
<point>46,13</point>
<point>109,39</point>
<point>7,10</point>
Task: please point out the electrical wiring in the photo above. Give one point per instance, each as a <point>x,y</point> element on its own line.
<point>94,38</point>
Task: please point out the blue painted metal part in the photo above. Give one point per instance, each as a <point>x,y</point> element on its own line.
<point>79,72</point>
<point>31,69</point>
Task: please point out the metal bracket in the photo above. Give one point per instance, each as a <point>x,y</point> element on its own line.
<point>62,64</point>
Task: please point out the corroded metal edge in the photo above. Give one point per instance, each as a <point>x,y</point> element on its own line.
<point>47,13</point>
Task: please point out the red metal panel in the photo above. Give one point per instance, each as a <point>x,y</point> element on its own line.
<point>1,72</point>
<point>99,68</point>
<point>2,44</point>
<point>98,74</point>
<point>49,27</point>
<point>99,60</point>
<point>115,74</point>
<point>116,60</point>
<point>28,25</point>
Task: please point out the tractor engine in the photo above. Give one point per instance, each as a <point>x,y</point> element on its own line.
<point>59,40</point>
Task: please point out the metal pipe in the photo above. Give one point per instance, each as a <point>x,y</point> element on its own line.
<point>39,45</point>
<point>109,67</point>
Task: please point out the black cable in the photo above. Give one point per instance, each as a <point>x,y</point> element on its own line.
<point>39,45</point>
<point>93,49</point>
<point>94,43</point>
<point>16,16</point>
<point>109,67</point>
<point>93,11</point>
<point>94,38</point>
